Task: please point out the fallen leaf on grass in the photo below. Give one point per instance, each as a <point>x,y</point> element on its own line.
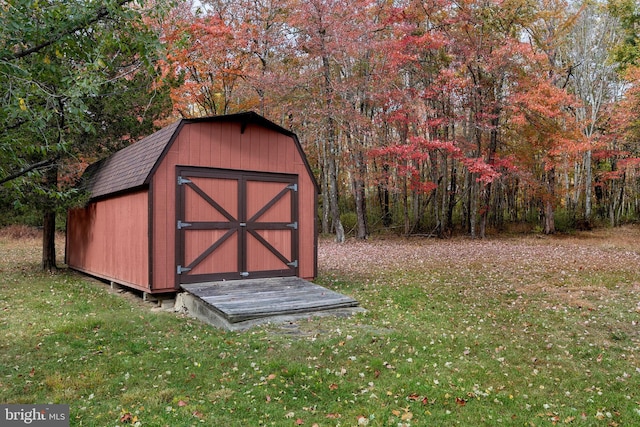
<point>299,422</point>
<point>333,386</point>
<point>333,416</point>
<point>127,418</point>
<point>407,416</point>
<point>460,401</point>
<point>415,398</point>
<point>182,403</point>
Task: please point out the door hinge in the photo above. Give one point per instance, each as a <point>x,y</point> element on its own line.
<point>182,269</point>
<point>293,225</point>
<point>293,187</point>
<point>293,264</point>
<point>182,180</point>
<point>244,274</point>
<point>182,225</point>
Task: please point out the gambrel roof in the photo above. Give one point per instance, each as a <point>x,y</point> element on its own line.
<point>133,166</point>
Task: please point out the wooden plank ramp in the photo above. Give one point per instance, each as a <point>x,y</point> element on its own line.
<point>240,304</point>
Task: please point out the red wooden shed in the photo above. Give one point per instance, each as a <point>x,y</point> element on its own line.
<point>208,199</point>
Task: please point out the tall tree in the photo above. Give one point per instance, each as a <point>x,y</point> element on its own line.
<point>487,47</point>
<point>54,57</point>
<point>416,105</point>
<point>328,33</point>
<point>547,33</point>
<point>594,81</point>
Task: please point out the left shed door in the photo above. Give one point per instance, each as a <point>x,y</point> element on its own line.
<point>235,225</point>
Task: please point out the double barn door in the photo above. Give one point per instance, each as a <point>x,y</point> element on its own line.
<point>235,225</point>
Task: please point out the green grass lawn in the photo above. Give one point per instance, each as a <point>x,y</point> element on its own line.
<point>499,332</point>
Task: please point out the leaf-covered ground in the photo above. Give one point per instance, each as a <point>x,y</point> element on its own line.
<point>556,318</point>
<point>506,331</point>
<point>571,269</point>
<point>603,250</point>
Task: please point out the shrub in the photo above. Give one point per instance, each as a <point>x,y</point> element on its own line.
<point>349,222</point>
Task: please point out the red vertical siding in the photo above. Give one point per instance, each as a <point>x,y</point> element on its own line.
<point>224,146</point>
<point>109,239</point>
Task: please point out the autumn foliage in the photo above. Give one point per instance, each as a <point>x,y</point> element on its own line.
<point>431,116</point>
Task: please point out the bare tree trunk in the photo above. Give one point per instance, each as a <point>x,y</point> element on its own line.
<point>441,200</point>
<point>493,148</point>
<point>620,209</point>
<point>333,199</point>
<point>383,195</point>
<point>49,222</point>
<point>360,196</point>
<point>567,190</point>
<point>616,203</point>
<point>548,214</point>
<point>325,194</point>
<point>484,210</point>
<point>405,203</point>
<point>588,184</point>
<point>332,152</point>
<point>577,178</point>
<point>453,188</point>
<point>549,222</point>
<point>473,206</point>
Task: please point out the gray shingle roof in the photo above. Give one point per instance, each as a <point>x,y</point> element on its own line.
<point>131,167</point>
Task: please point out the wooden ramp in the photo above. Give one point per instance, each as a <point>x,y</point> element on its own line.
<point>240,304</point>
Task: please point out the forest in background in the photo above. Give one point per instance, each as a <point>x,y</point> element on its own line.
<point>434,117</point>
<point>431,117</point>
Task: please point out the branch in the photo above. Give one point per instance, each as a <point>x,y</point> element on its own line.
<point>12,126</point>
<point>24,171</point>
<point>569,74</point>
<point>102,13</point>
